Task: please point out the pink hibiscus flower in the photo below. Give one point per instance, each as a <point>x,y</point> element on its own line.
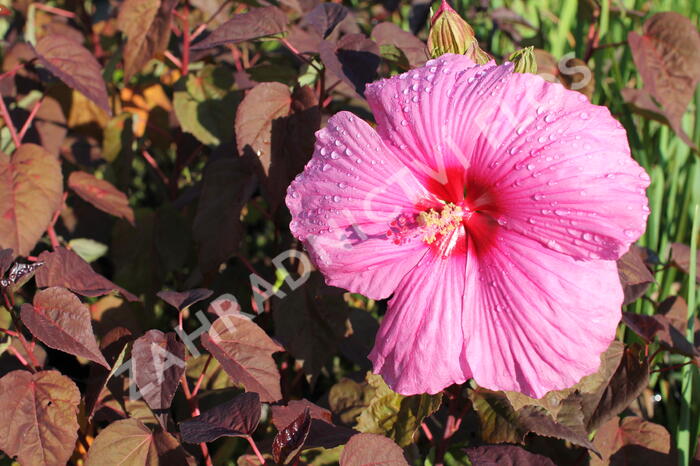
<point>492,206</point>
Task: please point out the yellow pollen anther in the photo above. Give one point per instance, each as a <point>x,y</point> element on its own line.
<point>436,223</point>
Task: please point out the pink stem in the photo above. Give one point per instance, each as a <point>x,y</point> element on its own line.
<point>27,123</point>
<point>8,121</point>
<point>261,458</point>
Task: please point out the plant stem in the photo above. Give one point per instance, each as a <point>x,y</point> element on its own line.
<point>8,121</point>
<point>194,411</point>
<point>261,458</point>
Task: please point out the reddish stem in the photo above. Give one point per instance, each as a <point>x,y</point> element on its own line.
<point>30,118</point>
<point>152,162</point>
<point>261,458</point>
<point>194,411</point>
<point>176,61</point>
<point>8,121</point>
<point>51,228</point>
<point>20,358</point>
<point>9,332</point>
<point>54,10</point>
<point>201,376</point>
<point>13,71</point>
<point>426,431</point>
<point>186,39</point>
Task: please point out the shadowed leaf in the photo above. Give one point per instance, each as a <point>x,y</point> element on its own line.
<point>632,440</point>
<point>101,194</point>
<point>289,441</point>
<point>66,269</point>
<point>572,73</point>
<point>325,17</point>
<point>158,364</point>
<point>310,322</point>
<point>628,381</point>
<point>113,347</point>
<point>372,449</point>
<point>257,23</point>
<point>183,300</point>
<point>146,24</point>
<point>236,418</point>
<point>227,185</point>
<point>129,441</point>
<point>323,433</point>
<point>390,34</point>
<point>245,352</point>
<point>73,64</point>
<point>680,257</point>
<point>634,274</point>
<point>505,455</point>
<point>61,321</point>
<point>354,59</point>
<point>40,424</point>
<point>262,105</point>
<point>6,257</point>
<point>658,326</point>
<point>396,416</point>
<point>31,185</point>
<point>668,58</point>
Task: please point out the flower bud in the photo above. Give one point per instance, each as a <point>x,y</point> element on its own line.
<point>524,60</point>
<point>449,33</point>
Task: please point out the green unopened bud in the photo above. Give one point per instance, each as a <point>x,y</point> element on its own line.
<point>524,60</point>
<point>449,33</point>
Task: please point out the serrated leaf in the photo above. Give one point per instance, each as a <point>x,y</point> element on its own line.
<point>238,417</point>
<point>372,449</point>
<point>668,58</point>
<point>31,188</point>
<point>158,363</point>
<point>146,24</point>
<point>289,441</point>
<point>76,66</point>
<point>61,321</point>
<point>354,59</point>
<point>245,352</point>
<point>40,426</point>
<point>505,455</point>
<point>632,440</point>
<point>66,269</point>
<point>257,23</point>
<point>129,441</point>
<point>101,194</point>
<point>325,17</point>
<point>394,415</point>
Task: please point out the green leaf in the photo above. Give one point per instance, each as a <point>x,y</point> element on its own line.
<point>394,415</point>
<point>89,249</point>
<point>205,104</point>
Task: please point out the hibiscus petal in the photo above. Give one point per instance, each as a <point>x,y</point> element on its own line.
<point>418,348</point>
<point>343,203</point>
<point>538,320</point>
<point>555,167</point>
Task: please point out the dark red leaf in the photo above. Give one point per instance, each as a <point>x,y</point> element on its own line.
<point>61,321</point>
<point>668,58</point>
<point>680,257</point>
<point>505,455</point>
<point>6,257</point>
<point>632,441</point>
<point>325,17</point>
<point>354,59</point>
<point>40,417</point>
<point>372,449</point>
<point>323,433</point>
<point>659,326</point>
<point>289,441</point>
<point>227,185</point>
<point>257,23</point>
<point>19,274</point>
<point>390,34</point>
<point>67,269</point>
<point>74,65</point>
<point>111,347</point>
<point>245,352</point>
<point>183,300</point>
<point>31,188</point>
<point>235,418</point>
<point>628,381</point>
<point>634,274</point>
<point>146,24</point>
<point>158,363</point>
<point>101,194</point>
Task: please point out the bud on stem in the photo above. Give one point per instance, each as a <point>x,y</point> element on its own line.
<point>449,33</point>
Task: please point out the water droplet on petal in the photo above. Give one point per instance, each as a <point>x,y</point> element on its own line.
<point>584,116</point>
<point>326,167</point>
<point>342,185</point>
<point>334,155</point>
<point>550,118</point>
